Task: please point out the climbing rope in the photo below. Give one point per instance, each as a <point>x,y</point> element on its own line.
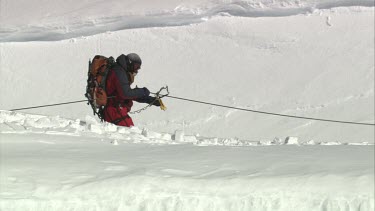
<point>158,96</point>
<point>269,113</point>
<point>50,105</point>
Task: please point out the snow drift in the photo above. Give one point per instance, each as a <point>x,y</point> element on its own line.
<point>54,20</point>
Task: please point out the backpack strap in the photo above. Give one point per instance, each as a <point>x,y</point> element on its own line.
<point>111,61</point>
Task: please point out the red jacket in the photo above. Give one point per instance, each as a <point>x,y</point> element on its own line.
<point>118,85</point>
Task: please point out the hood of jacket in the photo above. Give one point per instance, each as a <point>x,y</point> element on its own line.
<point>122,61</point>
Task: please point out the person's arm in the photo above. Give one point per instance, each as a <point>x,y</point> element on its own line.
<point>148,100</point>
<point>124,90</point>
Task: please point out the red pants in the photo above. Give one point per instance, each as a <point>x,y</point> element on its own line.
<point>118,116</point>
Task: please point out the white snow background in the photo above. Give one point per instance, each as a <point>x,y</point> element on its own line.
<point>302,57</point>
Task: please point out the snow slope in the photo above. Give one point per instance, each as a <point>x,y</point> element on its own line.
<point>51,163</point>
<point>302,57</point>
<point>56,20</point>
<point>318,64</point>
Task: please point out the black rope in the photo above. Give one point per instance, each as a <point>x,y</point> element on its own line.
<point>56,104</point>
<point>218,105</point>
<point>269,113</point>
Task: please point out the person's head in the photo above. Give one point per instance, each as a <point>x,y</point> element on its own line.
<point>134,63</point>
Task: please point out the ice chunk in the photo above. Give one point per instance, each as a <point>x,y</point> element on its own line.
<point>291,140</point>
<point>178,135</point>
<point>265,142</point>
<point>311,142</point>
<point>190,139</point>
<point>145,132</point>
<point>95,128</point>
<point>166,136</point>
<point>90,120</point>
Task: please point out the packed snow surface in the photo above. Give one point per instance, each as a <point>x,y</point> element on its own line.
<point>295,57</point>
<point>51,163</point>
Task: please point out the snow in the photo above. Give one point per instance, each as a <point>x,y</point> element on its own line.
<point>56,20</point>
<point>284,69</point>
<point>72,165</point>
<point>291,140</point>
<point>305,58</point>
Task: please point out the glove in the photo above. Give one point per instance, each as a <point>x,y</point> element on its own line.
<point>156,102</point>
<point>146,91</point>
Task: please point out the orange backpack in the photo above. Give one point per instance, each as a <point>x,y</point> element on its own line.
<point>95,89</point>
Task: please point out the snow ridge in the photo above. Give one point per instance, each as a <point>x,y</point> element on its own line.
<point>15,122</point>
<point>115,168</point>
<point>50,29</point>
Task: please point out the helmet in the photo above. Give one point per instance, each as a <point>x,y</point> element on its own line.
<point>134,58</point>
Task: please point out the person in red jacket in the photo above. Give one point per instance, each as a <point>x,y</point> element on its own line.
<point>119,79</point>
